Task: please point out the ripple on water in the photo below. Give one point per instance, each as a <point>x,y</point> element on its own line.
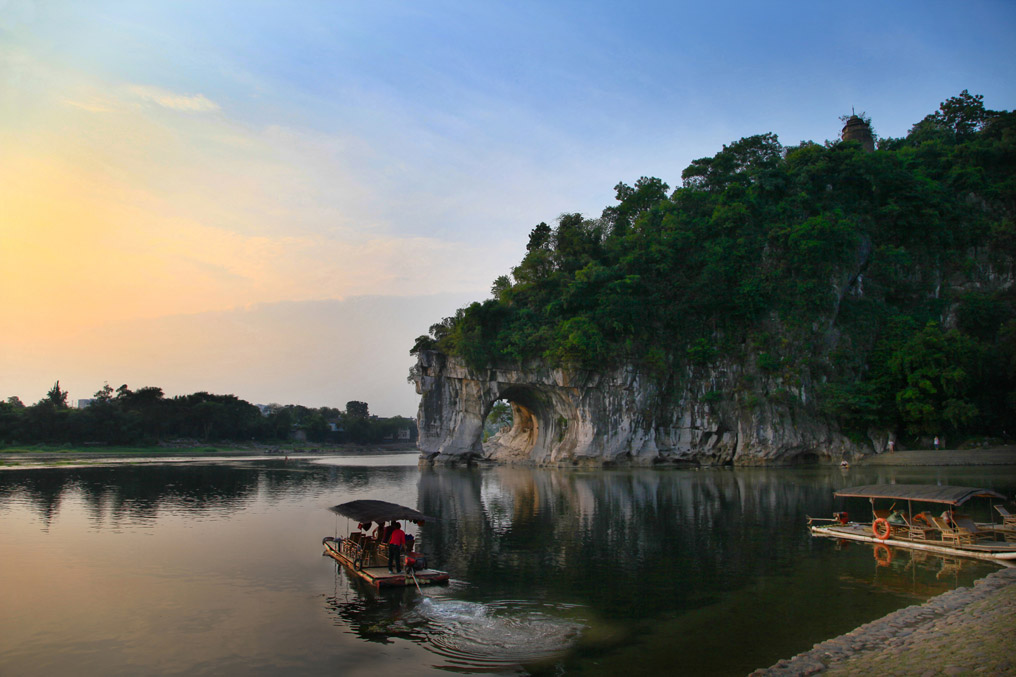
<point>494,634</point>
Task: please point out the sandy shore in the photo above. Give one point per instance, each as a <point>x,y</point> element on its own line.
<point>966,631</point>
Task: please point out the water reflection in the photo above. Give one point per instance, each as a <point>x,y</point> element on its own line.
<point>123,493</point>
<point>556,571</point>
<point>671,566</point>
<point>553,533</point>
<point>373,615</point>
<point>913,574</point>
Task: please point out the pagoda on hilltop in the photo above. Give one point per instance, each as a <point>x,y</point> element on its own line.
<point>857,129</point>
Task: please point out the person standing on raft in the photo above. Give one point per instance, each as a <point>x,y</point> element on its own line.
<point>396,541</point>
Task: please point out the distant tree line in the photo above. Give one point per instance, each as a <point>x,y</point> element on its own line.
<point>146,416</point>
<point>877,277</point>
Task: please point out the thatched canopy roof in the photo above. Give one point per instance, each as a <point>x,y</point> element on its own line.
<point>378,511</point>
<point>930,493</point>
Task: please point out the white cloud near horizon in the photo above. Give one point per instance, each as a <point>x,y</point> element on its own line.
<point>190,103</point>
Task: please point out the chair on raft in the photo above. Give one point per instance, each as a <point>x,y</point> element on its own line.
<point>1008,519</point>
<point>951,533</point>
<point>964,523</point>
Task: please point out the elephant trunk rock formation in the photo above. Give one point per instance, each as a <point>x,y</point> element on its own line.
<point>570,417</point>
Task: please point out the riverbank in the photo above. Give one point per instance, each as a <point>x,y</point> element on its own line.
<point>966,631</point>
<point>1005,455</point>
<point>61,456</point>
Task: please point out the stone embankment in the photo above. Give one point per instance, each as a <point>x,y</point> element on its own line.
<point>967,631</point>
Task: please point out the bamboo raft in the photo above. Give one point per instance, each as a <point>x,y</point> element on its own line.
<point>952,534</point>
<point>368,559</point>
<point>1003,552</point>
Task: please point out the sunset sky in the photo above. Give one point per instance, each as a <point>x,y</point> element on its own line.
<point>274,199</point>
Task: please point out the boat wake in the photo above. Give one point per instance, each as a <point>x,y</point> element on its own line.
<point>496,634</point>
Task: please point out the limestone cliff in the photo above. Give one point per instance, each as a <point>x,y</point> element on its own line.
<point>781,297</point>
<point>618,416</point>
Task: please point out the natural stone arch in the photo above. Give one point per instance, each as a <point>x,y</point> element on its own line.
<point>518,441</point>
<point>550,418</point>
<point>541,418</point>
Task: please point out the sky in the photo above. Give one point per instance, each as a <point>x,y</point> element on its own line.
<point>274,199</point>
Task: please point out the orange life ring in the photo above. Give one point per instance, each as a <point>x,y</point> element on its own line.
<point>881,528</point>
<point>883,554</point>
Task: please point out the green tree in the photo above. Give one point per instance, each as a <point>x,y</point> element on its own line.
<point>633,201</point>
<point>579,343</point>
<point>963,114</point>
<point>56,397</point>
<point>356,409</point>
<point>934,369</point>
<point>145,410</point>
<point>741,162</point>
<point>539,237</point>
<point>502,285</point>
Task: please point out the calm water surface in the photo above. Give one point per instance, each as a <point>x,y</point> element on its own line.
<point>216,568</point>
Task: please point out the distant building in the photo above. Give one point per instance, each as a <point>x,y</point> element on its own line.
<point>404,434</point>
<point>86,402</point>
<point>858,130</point>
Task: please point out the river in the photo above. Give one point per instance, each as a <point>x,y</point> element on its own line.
<point>215,567</point>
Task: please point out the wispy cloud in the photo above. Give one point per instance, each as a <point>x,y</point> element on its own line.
<point>189,103</point>
<point>93,105</point>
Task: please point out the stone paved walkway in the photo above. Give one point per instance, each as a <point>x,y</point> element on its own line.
<point>967,631</point>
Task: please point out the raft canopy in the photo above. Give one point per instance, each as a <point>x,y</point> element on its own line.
<point>378,511</point>
<point>930,493</point>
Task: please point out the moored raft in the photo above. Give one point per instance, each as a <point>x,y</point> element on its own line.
<point>951,533</point>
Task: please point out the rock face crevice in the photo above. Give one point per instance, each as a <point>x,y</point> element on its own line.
<point>565,417</point>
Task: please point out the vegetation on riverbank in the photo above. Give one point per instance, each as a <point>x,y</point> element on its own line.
<point>123,418</point>
<point>878,279</point>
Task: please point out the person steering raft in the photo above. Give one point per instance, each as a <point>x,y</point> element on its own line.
<point>396,541</point>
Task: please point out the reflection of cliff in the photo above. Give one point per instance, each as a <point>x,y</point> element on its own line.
<point>119,493</point>
<point>640,534</point>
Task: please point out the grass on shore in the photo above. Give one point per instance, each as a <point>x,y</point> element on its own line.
<point>192,448</point>
<point>147,451</point>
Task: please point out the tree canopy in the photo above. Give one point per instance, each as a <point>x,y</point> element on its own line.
<point>146,416</point>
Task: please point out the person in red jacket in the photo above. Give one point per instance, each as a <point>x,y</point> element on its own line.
<point>396,540</point>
